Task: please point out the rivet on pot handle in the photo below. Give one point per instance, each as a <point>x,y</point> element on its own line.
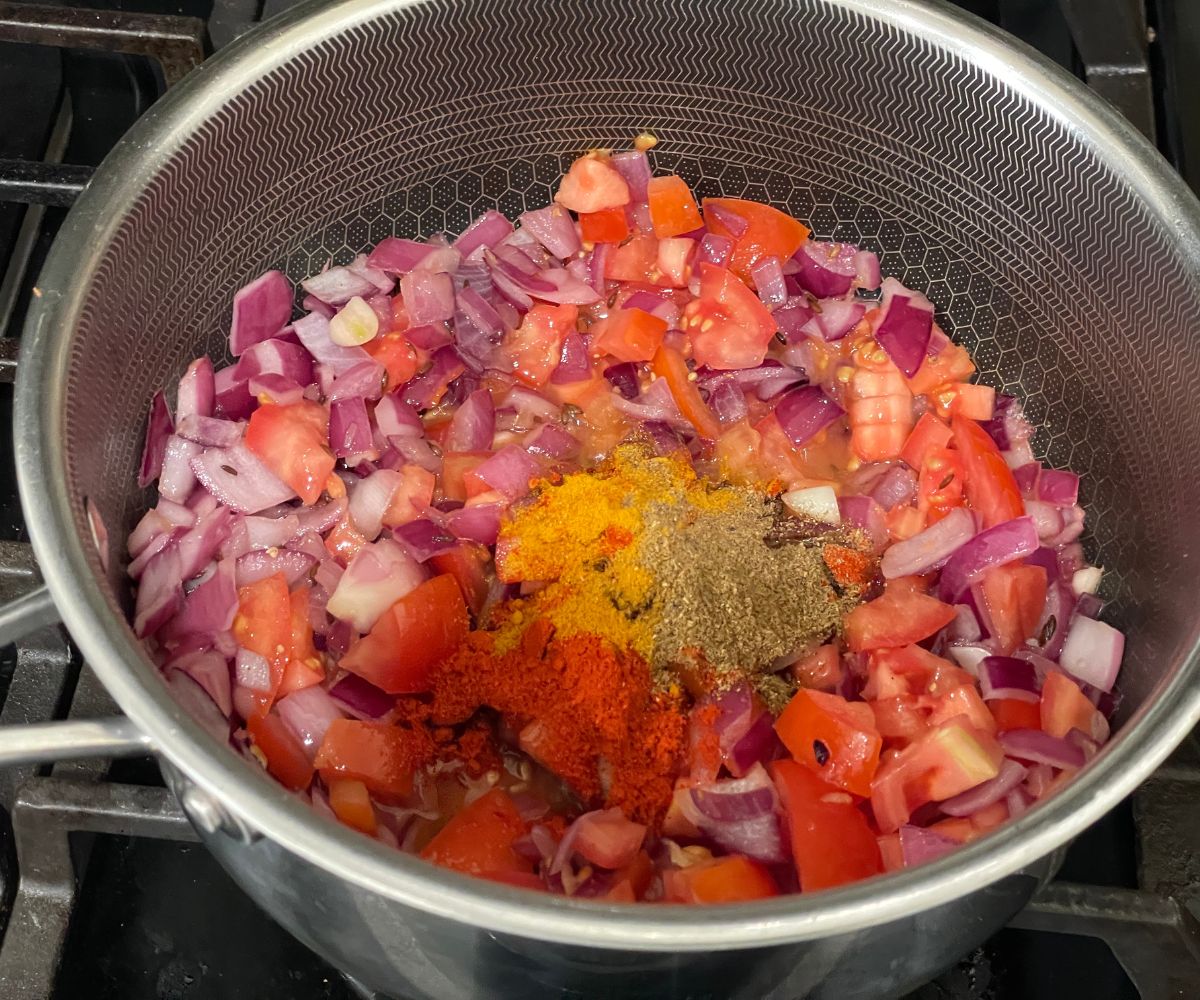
<point>209,816</point>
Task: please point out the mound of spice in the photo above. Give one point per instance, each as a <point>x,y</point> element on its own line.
<point>641,576</point>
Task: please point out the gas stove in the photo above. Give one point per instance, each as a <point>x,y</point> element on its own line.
<point>105,891</point>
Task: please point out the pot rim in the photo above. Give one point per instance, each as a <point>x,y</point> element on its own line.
<point>66,559</point>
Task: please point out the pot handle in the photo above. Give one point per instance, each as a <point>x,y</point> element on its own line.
<point>74,739</point>
<point>32,611</point>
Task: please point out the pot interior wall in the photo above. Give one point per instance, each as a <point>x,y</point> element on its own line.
<point>1039,256</point>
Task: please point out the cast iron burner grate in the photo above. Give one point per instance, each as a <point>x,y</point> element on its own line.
<point>105,891</point>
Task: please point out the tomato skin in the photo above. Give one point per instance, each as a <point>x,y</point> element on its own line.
<point>990,486</point>
<point>1012,713</point>
<point>628,335</point>
<point>952,365</point>
<point>286,760</point>
<point>832,842</point>
<point>351,803</point>
<point>396,354</point>
<point>425,626</point>
<point>592,185</point>
<point>636,260</point>
<point>382,756</point>
<point>834,738</point>
<point>769,232</point>
<point>293,442</point>
<point>669,364</point>
<point>895,619</point>
<point>479,837</point>
<point>821,669</point>
<point>728,325</point>
<point>609,225</point>
<point>973,401</point>
<point>731,879</point>
<point>673,210</point>
<point>534,349</point>
<point>412,496</point>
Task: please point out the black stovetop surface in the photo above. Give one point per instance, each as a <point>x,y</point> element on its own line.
<point>160,920</point>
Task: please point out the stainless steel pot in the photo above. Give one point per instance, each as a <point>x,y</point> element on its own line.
<point>1055,241</point>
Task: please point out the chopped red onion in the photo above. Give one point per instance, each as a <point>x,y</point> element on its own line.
<point>1092,652</point>
<point>370,500</point>
<point>270,532</point>
<point>363,380</point>
<point>995,546</point>
<point>1018,802</point>
<point>259,565</point>
<point>837,318</point>
<point>729,219</point>
<point>715,250</point>
<point>211,606</point>
<point>429,387</point>
<point>624,378</point>
<point>308,713</point>
<point>362,698</point>
<point>209,669</point>
<point>1040,748</point>
<point>313,331</point>
<point>350,427</point>
<point>929,549</point>
<point>919,845</point>
<point>486,231</point>
<point>239,479</point>
<point>310,303</point>
<point>827,270</point>
<point>1008,677</point>
<point>279,389</point>
<point>276,357</point>
<point>1059,488</point>
<point>805,412</point>
<point>338,285</point>
<point>422,539</point>
<point>793,319</point>
<point>480,523</point>
<point>553,442</point>
<point>767,274</point>
<point>198,704</point>
<point>510,471</point>
<point>728,402</point>
<point>737,799</point>
<point>896,486</point>
<point>473,424</point>
<point>864,512</point>
<point>428,297</point>
<point>758,746</point>
<point>634,166</point>
<point>210,431</point>
<point>1008,426</point>
<point>866,269</point>
<point>197,391</point>
<point>233,401</point>
<point>252,671</point>
<point>159,428</point>
<point>905,327</point>
<point>160,592</point>
<point>399,256</point>
<point>260,310</point>
<point>199,545</point>
<point>554,229</point>
<point>378,576</point>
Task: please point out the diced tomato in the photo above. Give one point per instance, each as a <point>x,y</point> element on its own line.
<point>953,364</point>
<point>901,718</point>
<point>769,232</point>
<point>832,842</point>
<point>382,756</point>
<point>610,225</point>
<point>991,488</point>
<point>592,185</point>
<point>457,469</point>
<point>896,619</point>
<point>669,364</point>
<point>673,210</point>
<point>412,496</point>
<point>636,260</point>
<point>523,880</point>
<point>351,803</point>
<point>621,892</point>
<point>263,625</point>
<point>674,261</point>
<point>929,435</point>
<point>628,335</point>
<point>728,325</point>
<point>344,541</point>
<point>534,349</point>
<point>1064,707</point>
<point>1013,713</point>
<point>400,320</point>
<point>940,484</point>
<point>396,354</point>
<point>479,838</point>
<point>821,669</point>
<point>833,737</point>
<point>638,874</point>
<point>304,667</point>
<point>973,401</point>
<point>425,626</point>
<point>284,753</point>
<point>904,522</point>
<point>989,817</point>
<point>467,563</point>
<point>293,442</point>
<point>732,879</point>
<point>960,829</point>
<point>963,701</point>
<point>940,763</point>
<point>911,670</point>
<point>1014,598</point>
